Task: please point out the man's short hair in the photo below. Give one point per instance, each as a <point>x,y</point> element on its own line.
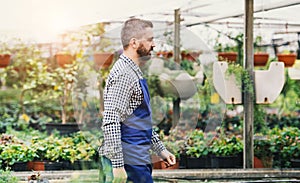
<point>133,28</point>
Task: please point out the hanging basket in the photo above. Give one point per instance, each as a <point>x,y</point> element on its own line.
<point>64,58</point>
<point>103,60</point>
<point>288,59</point>
<point>4,60</point>
<point>227,56</point>
<point>261,59</point>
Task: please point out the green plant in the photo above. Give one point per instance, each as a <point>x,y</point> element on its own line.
<point>13,153</point>
<point>172,142</point>
<point>262,149</point>
<point>13,150</point>
<point>242,77</point>
<point>260,125</point>
<point>7,177</point>
<point>29,74</point>
<point>228,46</point>
<point>197,144</point>
<point>285,145</point>
<point>56,148</point>
<point>154,85</point>
<point>288,101</point>
<point>64,80</point>
<point>226,145</point>
<point>4,48</point>
<point>188,66</point>
<point>258,47</point>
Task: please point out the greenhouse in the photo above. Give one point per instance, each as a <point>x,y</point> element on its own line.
<point>223,80</point>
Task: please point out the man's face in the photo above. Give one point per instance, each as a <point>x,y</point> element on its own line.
<point>146,45</point>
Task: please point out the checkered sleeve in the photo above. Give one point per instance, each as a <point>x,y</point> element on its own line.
<point>157,145</point>
<point>116,101</point>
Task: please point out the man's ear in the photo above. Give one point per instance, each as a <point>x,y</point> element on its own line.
<point>133,43</point>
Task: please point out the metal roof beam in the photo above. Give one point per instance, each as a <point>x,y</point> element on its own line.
<point>267,7</point>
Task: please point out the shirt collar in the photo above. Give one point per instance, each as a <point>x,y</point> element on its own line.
<point>132,65</point>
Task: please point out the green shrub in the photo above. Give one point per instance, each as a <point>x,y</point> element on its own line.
<point>226,146</point>
<point>7,177</point>
<point>198,144</point>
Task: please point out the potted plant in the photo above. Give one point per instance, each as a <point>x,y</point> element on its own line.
<point>4,60</point>
<point>227,56</point>
<point>103,55</point>
<point>226,152</point>
<point>77,152</point>
<point>262,151</point>
<point>197,150</point>
<point>64,80</point>
<point>63,58</point>
<point>5,55</point>
<point>29,74</point>
<point>103,60</point>
<point>260,56</point>
<point>15,153</point>
<point>6,176</point>
<point>288,57</point>
<point>284,146</point>
<point>228,52</point>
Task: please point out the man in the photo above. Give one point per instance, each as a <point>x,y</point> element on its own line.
<point>127,123</point>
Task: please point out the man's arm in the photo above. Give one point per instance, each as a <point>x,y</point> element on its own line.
<point>159,148</point>
<point>116,100</point>
<point>157,144</point>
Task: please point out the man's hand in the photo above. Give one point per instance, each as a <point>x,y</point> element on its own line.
<point>169,157</point>
<point>120,175</point>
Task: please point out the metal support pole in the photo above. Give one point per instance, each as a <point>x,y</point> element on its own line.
<point>248,96</point>
<point>177,36</point>
<point>176,103</point>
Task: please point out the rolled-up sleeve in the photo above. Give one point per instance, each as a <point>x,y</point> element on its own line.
<point>157,145</point>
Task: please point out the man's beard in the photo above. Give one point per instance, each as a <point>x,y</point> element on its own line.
<point>144,54</point>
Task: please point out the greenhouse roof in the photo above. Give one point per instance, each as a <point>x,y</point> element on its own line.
<point>42,20</point>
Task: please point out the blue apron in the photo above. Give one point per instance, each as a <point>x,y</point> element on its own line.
<point>136,133</point>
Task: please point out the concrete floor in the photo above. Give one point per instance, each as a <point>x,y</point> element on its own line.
<point>178,175</point>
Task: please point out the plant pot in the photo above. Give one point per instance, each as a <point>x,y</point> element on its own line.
<point>67,165</point>
<point>53,165</point>
<point>234,161</point>
<point>158,163</point>
<point>84,165</point>
<point>63,58</point>
<point>265,162</point>
<point>103,60</point>
<point>258,163</point>
<point>227,56</point>
<point>19,166</point>
<point>182,161</point>
<point>288,59</point>
<point>63,129</point>
<point>261,59</point>
<point>295,163</point>
<point>201,162</point>
<point>162,165</point>
<point>4,60</point>
<point>36,165</point>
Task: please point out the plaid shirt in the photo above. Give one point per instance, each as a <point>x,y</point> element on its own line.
<point>122,95</point>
